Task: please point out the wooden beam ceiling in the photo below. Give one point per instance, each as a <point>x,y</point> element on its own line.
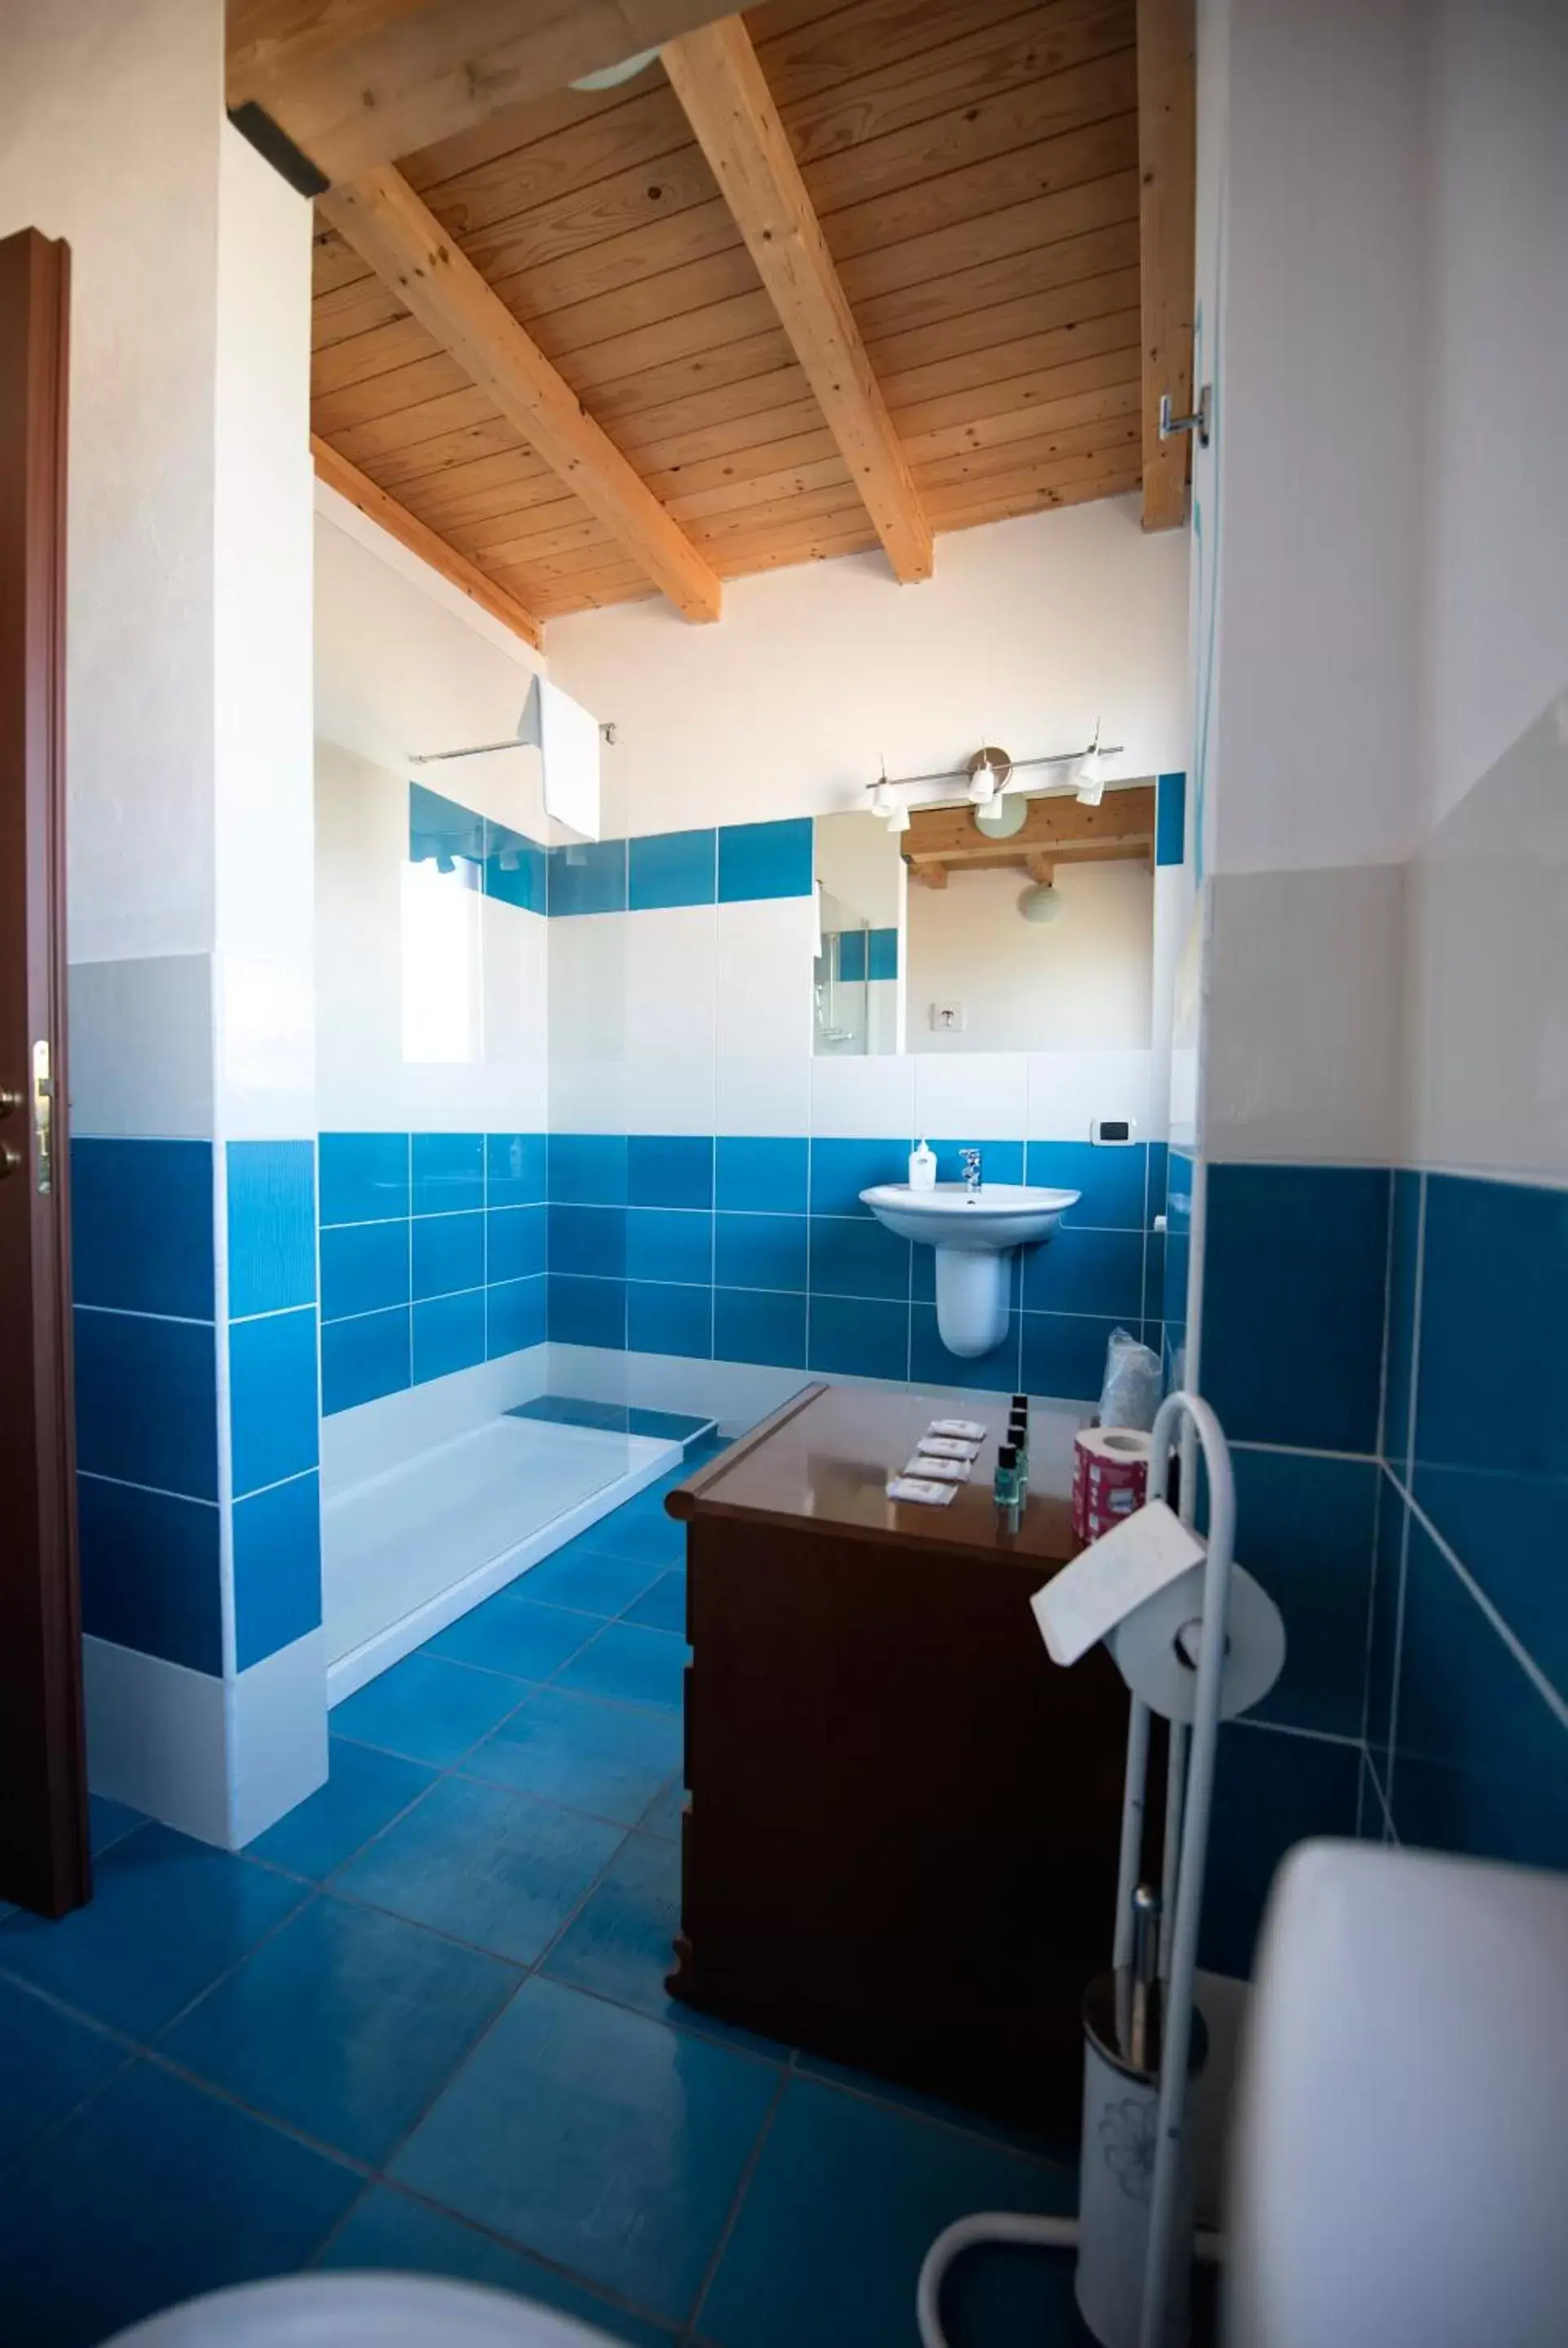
<point>1055,831</point>
<point>720,84</point>
<point>1167,173</point>
<point>354,83</point>
<point>419,539</point>
<point>406,245</point>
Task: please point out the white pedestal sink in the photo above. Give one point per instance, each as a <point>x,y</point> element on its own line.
<point>974,1233</point>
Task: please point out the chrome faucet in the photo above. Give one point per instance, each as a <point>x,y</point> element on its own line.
<point>969,1159</point>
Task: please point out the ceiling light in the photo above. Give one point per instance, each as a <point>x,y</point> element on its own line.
<point>1001,817</point>
<point>611,77</point>
<point>1091,779</point>
<point>1040,903</point>
<point>988,771</point>
<point>899,819</point>
<point>881,799</point>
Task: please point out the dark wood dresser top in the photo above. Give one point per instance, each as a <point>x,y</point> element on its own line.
<point>825,1456</point>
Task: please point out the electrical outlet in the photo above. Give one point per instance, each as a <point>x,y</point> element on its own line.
<point>947,1018</point>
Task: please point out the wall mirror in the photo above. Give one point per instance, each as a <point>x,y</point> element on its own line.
<point>1023,925</point>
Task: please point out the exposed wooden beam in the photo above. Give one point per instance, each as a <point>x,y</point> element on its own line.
<point>357,82</point>
<point>1167,174</point>
<point>410,532</point>
<point>406,246</point>
<point>720,83</point>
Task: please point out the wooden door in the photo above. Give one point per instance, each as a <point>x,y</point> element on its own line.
<point>44,1861</point>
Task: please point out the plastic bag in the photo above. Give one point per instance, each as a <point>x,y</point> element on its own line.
<point>1131,1395</point>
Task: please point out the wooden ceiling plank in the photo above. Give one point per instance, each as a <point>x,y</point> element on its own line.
<point>1043,421</point>
<point>966,352</point>
<point>409,531</point>
<point>1030,355</point>
<point>353,86</point>
<point>579,152</point>
<point>432,377</point>
<point>874,37</point>
<point>387,435</point>
<point>720,83</point>
<point>387,220</point>
<point>1111,441</point>
<point>963,509</point>
<point>355,358</point>
<point>955,308</point>
<point>1167,170</point>
<point>692,418</point>
<point>419,463</point>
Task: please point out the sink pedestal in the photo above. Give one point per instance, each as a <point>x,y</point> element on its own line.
<point>972,1299</point>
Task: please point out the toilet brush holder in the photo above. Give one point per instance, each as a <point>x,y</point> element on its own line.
<point>1116,2166</point>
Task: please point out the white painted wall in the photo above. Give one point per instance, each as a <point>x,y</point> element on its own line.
<point>109,123</point>
<point>1085,980</point>
<point>1030,631</point>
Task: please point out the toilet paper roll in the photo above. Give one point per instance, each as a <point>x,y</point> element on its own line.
<point>1156,1647</point>
<point>1110,1477</point>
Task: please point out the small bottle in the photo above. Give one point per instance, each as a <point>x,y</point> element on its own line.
<point>1007,1490</point>
<point>1018,1437</point>
<point>1020,1406</point>
<point>923,1168</point>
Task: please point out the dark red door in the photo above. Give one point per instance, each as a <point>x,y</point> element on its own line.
<point>43,1773</point>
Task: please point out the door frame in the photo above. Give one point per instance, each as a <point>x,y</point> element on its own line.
<point>44,1838</point>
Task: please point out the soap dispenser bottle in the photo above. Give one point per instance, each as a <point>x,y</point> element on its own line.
<point>923,1168</point>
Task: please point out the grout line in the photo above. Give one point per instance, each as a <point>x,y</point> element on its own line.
<point>743,2187</point>
<point>133,1313</point>
<point>1306,1451</point>
<point>197,1499</point>
<point>1556,1703</point>
<point>1289,1728</point>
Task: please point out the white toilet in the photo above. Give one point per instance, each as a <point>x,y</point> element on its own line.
<point>360,2310</point>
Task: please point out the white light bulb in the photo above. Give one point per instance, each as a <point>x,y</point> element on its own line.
<point>899,821</point>
<point>1091,779</point>
<point>982,785</point>
<point>881,803</point>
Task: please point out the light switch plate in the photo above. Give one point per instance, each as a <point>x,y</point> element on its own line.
<point>947,1018</point>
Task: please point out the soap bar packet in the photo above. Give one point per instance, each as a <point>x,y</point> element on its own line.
<point>968,1430</point>
<point>942,1471</point>
<point>947,1446</point>
<point>918,1488</point>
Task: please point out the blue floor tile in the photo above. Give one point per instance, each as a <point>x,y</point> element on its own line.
<point>346,2025</point>
<point>167,1917</point>
<point>640,1532</point>
<point>514,1634</point>
<point>48,2062</point>
<point>388,2233</point>
<point>620,1944</point>
<point>846,2201</point>
<point>156,2193</point>
<point>364,1791</point>
<point>110,1822</point>
<point>608,1759</point>
<point>662,1817</point>
<point>578,1577</point>
<point>427,1709</point>
<point>491,1867</point>
<point>630,1665</point>
<point>602,2140</point>
<point>662,1608</point>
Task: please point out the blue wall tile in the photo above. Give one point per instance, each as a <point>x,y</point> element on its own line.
<point>1481,1760</point>
<point>1064,1355</point>
<point>853,1255</point>
<point>931,1364</point>
<point>151,1574</point>
<point>146,1401</point>
<point>273,1412</point>
<point>840,1170</point>
<point>1383,1644</point>
<point>515,1242</point>
<point>514,1316</point>
<point>1304,1530</point>
<point>1492,1418</point>
<point>1159,1168</point>
<point>665,1243</point>
<point>759,1250</point>
<point>766,859</point>
<point>1112,1179</point>
<point>749,1326</point>
<point>670,1170</point>
<point>851,956</point>
<point>588,1169</point>
<point>1404,1258</point>
<point>1086,1271</point>
<point>364,1267</point>
<point>1170,818</point>
<point>883,953</point>
<point>448,1172</point>
<point>662,1319</point>
<point>448,1334</point>
<point>141,1226</point>
<point>1271,1790</point>
<point>276,1569</point>
<point>1294,1276</point>
<point>515,1170</point>
<point>587,1311</point>
<point>672,867</point>
<point>363,1177</point>
<point>516,870</point>
<point>588,876</point>
<point>761,1177</point>
<point>272,1226</point>
<point>587,1241</point>
<point>364,1359</point>
<point>857,1339</point>
<point>448,1254</point>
